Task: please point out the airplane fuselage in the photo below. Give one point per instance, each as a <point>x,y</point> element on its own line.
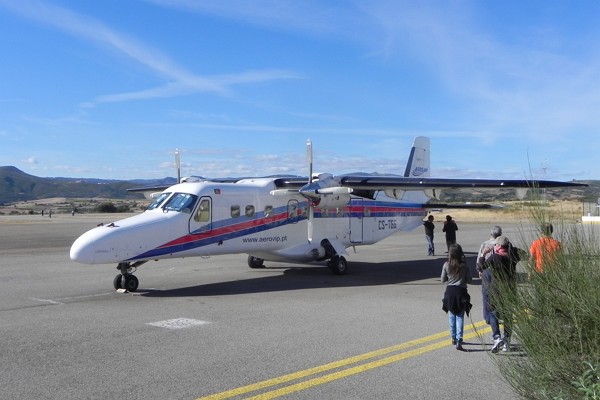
<point>211,218</point>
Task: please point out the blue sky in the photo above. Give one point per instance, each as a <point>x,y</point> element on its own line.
<point>109,89</point>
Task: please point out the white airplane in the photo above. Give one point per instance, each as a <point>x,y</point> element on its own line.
<point>278,218</point>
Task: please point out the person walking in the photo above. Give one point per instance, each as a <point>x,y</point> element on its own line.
<point>543,250</point>
<point>429,227</point>
<point>450,229</point>
<point>456,302</point>
<point>487,248</point>
<point>498,277</point>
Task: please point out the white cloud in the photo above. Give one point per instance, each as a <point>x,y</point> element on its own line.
<point>31,160</point>
<point>179,81</point>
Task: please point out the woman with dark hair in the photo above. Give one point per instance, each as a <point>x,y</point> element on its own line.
<point>456,302</point>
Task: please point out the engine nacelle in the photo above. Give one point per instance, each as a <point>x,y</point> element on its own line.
<point>316,254</point>
<point>333,200</point>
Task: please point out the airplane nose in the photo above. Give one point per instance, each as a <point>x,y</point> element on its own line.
<point>82,250</point>
<point>118,241</point>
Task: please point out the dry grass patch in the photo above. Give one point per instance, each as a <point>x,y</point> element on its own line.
<point>565,210</point>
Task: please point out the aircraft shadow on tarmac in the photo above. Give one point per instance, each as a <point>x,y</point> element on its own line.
<point>316,277</point>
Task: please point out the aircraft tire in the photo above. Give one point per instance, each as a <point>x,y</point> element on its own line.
<point>255,262</point>
<point>117,282</point>
<point>338,265</point>
<point>131,283</point>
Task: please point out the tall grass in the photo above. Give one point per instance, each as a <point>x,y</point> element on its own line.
<point>556,316</point>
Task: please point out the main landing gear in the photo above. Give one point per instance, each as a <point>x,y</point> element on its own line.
<point>338,265</point>
<point>126,280</point>
<point>255,262</point>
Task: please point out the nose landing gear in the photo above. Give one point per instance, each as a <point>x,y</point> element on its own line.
<point>126,280</point>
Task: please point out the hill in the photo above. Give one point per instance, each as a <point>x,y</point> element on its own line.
<point>16,185</point>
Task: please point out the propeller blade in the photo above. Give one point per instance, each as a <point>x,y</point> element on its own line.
<point>178,165</point>
<point>283,192</point>
<point>309,158</point>
<point>335,190</point>
<point>310,223</point>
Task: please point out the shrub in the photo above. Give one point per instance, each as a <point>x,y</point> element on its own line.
<point>107,207</point>
<point>556,319</point>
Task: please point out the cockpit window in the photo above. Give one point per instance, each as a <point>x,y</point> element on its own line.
<point>158,201</point>
<point>183,202</point>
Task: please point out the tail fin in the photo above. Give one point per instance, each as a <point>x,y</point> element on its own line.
<point>418,162</point>
<point>416,167</point>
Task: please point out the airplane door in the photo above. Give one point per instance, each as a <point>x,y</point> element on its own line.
<point>201,221</point>
<point>356,222</point>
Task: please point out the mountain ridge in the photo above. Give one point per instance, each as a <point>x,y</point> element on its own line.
<point>16,185</point>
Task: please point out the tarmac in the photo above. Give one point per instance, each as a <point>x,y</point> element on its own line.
<point>214,328</point>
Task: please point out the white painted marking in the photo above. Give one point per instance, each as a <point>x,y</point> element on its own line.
<point>60,301</point>
<point>178,323</point>
<point>46,301</point>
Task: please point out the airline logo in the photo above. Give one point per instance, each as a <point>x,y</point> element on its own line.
<point>418,171</point>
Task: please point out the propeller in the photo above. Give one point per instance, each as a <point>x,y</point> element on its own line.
<point>324,192</point>
<point>309,158</point>
<point>178,165</point>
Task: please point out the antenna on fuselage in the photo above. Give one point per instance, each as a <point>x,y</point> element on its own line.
<point>178,165</point>
<point>309,158</point>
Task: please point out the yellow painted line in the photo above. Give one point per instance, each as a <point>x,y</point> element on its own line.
<point>356,370</point>
<point>342,363</point>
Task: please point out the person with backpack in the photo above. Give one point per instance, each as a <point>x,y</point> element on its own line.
<point>499,278</point>
<point>487,248</point>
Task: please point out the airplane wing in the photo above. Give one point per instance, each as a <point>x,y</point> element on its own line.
<point>367,185</point>
<point>385,182</point>
<point>157,188</point>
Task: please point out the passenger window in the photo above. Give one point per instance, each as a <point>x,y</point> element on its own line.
<point>203,213</point>
<point>268,211</point>
<point>235,211</point>
<point>249,211</point>
<point>293,211</point>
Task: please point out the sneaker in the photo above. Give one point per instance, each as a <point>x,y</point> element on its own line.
<point>497,344</point>
<point>459,345</point>
<point>506,343</point>
<point>453,342</point>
